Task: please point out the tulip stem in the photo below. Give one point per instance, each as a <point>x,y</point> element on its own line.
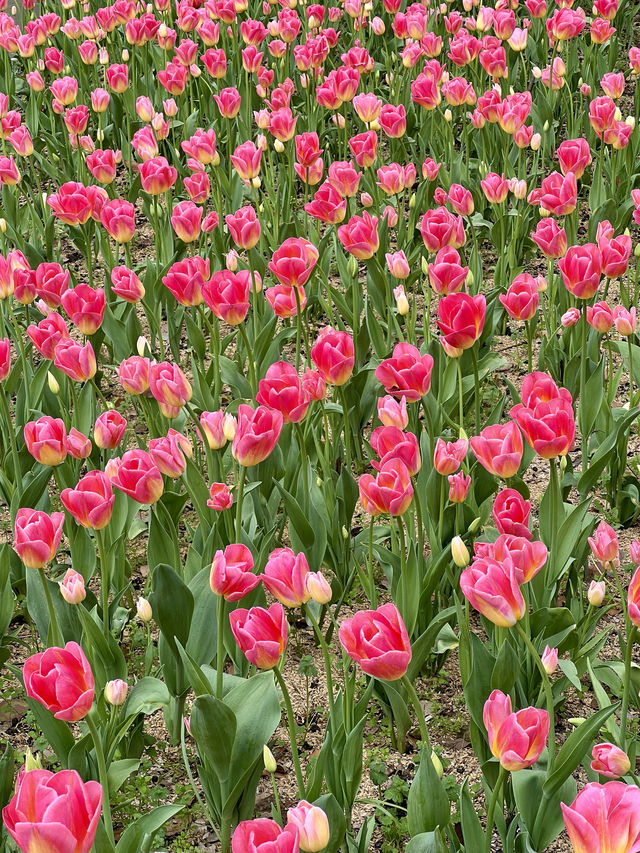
<point>17,474</point>
<point>252,367</point>
<point>220,655</point>
<point>54,637</point>
<point>476,382</point>
<point>551,740</point>
<point>492,807</point>
<point>102,772</point>
<point>105,583</point>
<point>583,381</point>
<point>460,397</point>
<point>325,653</point>
<point>626,688</point>
<point>417,707</point>
<point>239,499</point>
<point>292,731</point>
<point>347,433</point>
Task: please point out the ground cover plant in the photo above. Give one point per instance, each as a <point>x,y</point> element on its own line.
<point>319,399</point>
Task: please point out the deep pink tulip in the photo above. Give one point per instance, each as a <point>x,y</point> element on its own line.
<point>449,455</point>
<point>293,262</point>
<point>61,680</point>
<point>610,761</point>
<point>407,373</point>
<point>390,442</point>
<point>56,812</point>
<point>244,227</point>
<point>261,634</point>
<point>378,641</point>
<point>137,476</point>
<point>359,236</point>
<point>390,492</point>
<point>262,835</point>
<point>85,307</point>
<point>511,513</point>
<point>550,238</point>
<point>91,501</point>
<point>186,279</point>
<point>515,739</point>
<point>76,361</point>
<point>220,497</point>
<point>522,298</point>
<point>581,269</point>
<point>36,536</point>
<point>545,416</point>
<point>256,435</point>
<point>333,355</point>
<point>109,429</point>
<point>232,574</point>
<point>282,390</point>
<point>45,440</point>
<point>285,576</point>
<point>170,387</point>
<point>461,319</point>
<point>492,588</point>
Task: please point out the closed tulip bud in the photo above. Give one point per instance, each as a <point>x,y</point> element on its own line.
<point>141,345</point>
<point>318,588</point>
<point>312,824</point>
<point>31,761</point>
<point>448,115</point>
<point>412,201</point>
<point>459,552</point>
<point>437,764</point>
<point>125,55</point>
<point>550,660</point>
<point>72,587</point>
<point>345,533</point>
<point>52,382</point>
<point>143,609</point>
<point>536,142</point>
<point>115,692</point>
<point>278,146</point>
<point>229,426</point>
<point>3,226</point>
<point>595,594</point>
<point>610,761</point>
<point>270,764</point>
<point>475,525</point>
<point>402,303</point>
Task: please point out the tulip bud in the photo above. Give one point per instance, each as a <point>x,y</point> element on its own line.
<point>636,251</point>
<point>475,524</point>
<point>229,426</point>
<point>437,764</point>
<point>424,265</point>
<point>595,594</point>
<point>318,588</point>
<point>256,183</point>
<point>125,55</point>
<point>470,279</point>
<point>550,660</point>
<point>536,142</point>
<point>412,201</point>
<point>270,764</point>
<point>141,345</point>
<point>402,303</point>
<point>115,692</point>
<point>345,533</point>
<point>617,114</point>
<point>143,609</point>
<point>279,146</point>
<point>353,266</point>
<point>216,159</point>
<point>448,115</point>
<point>52,382</point>
<point>3,226</point>
<point>459,552</point>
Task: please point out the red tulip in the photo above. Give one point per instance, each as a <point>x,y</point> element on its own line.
<point>232,574</point>
<point>516,739</point>
<point>36,536</point>
<point>91,501</point>
<point>257,434</point>
<point>61,680</point>
<point>261,634</point>
<point>57,812</point>
<point>378,641</point>
<point>334,355</point>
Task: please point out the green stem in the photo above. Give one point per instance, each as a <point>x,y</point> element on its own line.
<point>372,582</point>
<point>626,687</point>
<point>17,475</point>
<point>292,732</point>
<point>105,582</point>
<point>417,707</point>
<point>220,653</point>
<point>240,497</point>
<point>551,741</point>
<point>347,433</point>
<point>325,653</point>
<point>492,807</point>
<point>460,397</point>
<point>102,772</point>
<point>476,383</point>
<point>252,367</point>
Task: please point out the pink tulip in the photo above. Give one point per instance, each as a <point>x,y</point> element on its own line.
<point>516,739</point>
<point>285,576</point>
<point>333,355</point>
<point>36,536</point>
<point>45,440</point>
<point>492,588</point>
<point>91,501</point>
<point>138,477</point>
<point>283,390</point>
<point>232,574</point>
<point>261,634</point>
<point>109,429</point>
<point>633,599</point>
<point>61,680</point>
<point>449,455</point>
<point>604,544</point>
<point>72,587</point>
<point>461,319</point>
<point>545,416</point>
<point>604,819</point>
<point>458,487</point>
<point>511,513</point>
<point>256,435</point>
<point>220,497</point>
<point>54,812</point>
<point>499,449</point>
<point>407,373</point>
<point>378,641</point>
<point>393,412</point>
<point>264,836</point>
<point>390,492</point>
<point>312,824</point>
<point>610,761</point>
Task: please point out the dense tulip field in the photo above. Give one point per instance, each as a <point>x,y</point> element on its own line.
<point>319,362</point>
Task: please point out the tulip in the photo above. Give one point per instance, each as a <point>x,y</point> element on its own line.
<point>293,262</point>
<point>57,812</point>
<point>85,307</point>
<point>549,660</point>
<point>72,587</point>
<point>511,513</point>
<point>393,412</point>
<point>449,455</point>
<point>282,390</point>
<point>138,477</point>
<point>319,588</point>
<point>458,487</point>
<point>390,492</point>
<point>521,299</point>
<point>407,373</point>
<point>550,238</point>
<point>76,361</point>
<point>446,273</point>
<point>115,692</point>
<point>604,818</point>
<point>604,545</point>
<point>633,599</point>
<point>360,236</point>
<point>439,229</point>
<point>77,444</point>
<point>595,593</point>
<point>126,284</point>
<point>545,416</point>
<point>61,680</point>
<point>610,761</point>
<point>36,536</point>
<point>333,355</point>
<point>133,374</point>
<point>167,453</point>
<point>186,219</point>
<point>157,176</point>
<point>261,634</point>
<point>285,576</point>
<point>186,280</point>
<point>244,227</point>
<point>232,574</point>
<point>109,429</point>
<point>264,836</point>
<point>459,552</point>
<point>461,319</point>
<point>170,387</point>
<point>499,449</point>
<point>256,435</point>
<point>91,502</point>
<point>492,588</point>
<point>634,552</point>
<point>118,220</point>
<point>143,610</point>
<point>312,824</point>
<point>220,497</point>
<point>378,641</point>
<point>516,739</point>
<point>581,269</point>
<point>45,440</point>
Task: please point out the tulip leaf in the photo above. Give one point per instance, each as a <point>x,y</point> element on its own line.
<point>574,748</point>
<point>214,726</point>
<point>147,696</point>
<point>337,822</point>
<point>172,603</point>
<point>428,803</point>
<point>426,842</point>
<point>119,772</point>
<point>299,523</point>
<point>546,824</point>
<point>472,833</point>
<point>132,838</point>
